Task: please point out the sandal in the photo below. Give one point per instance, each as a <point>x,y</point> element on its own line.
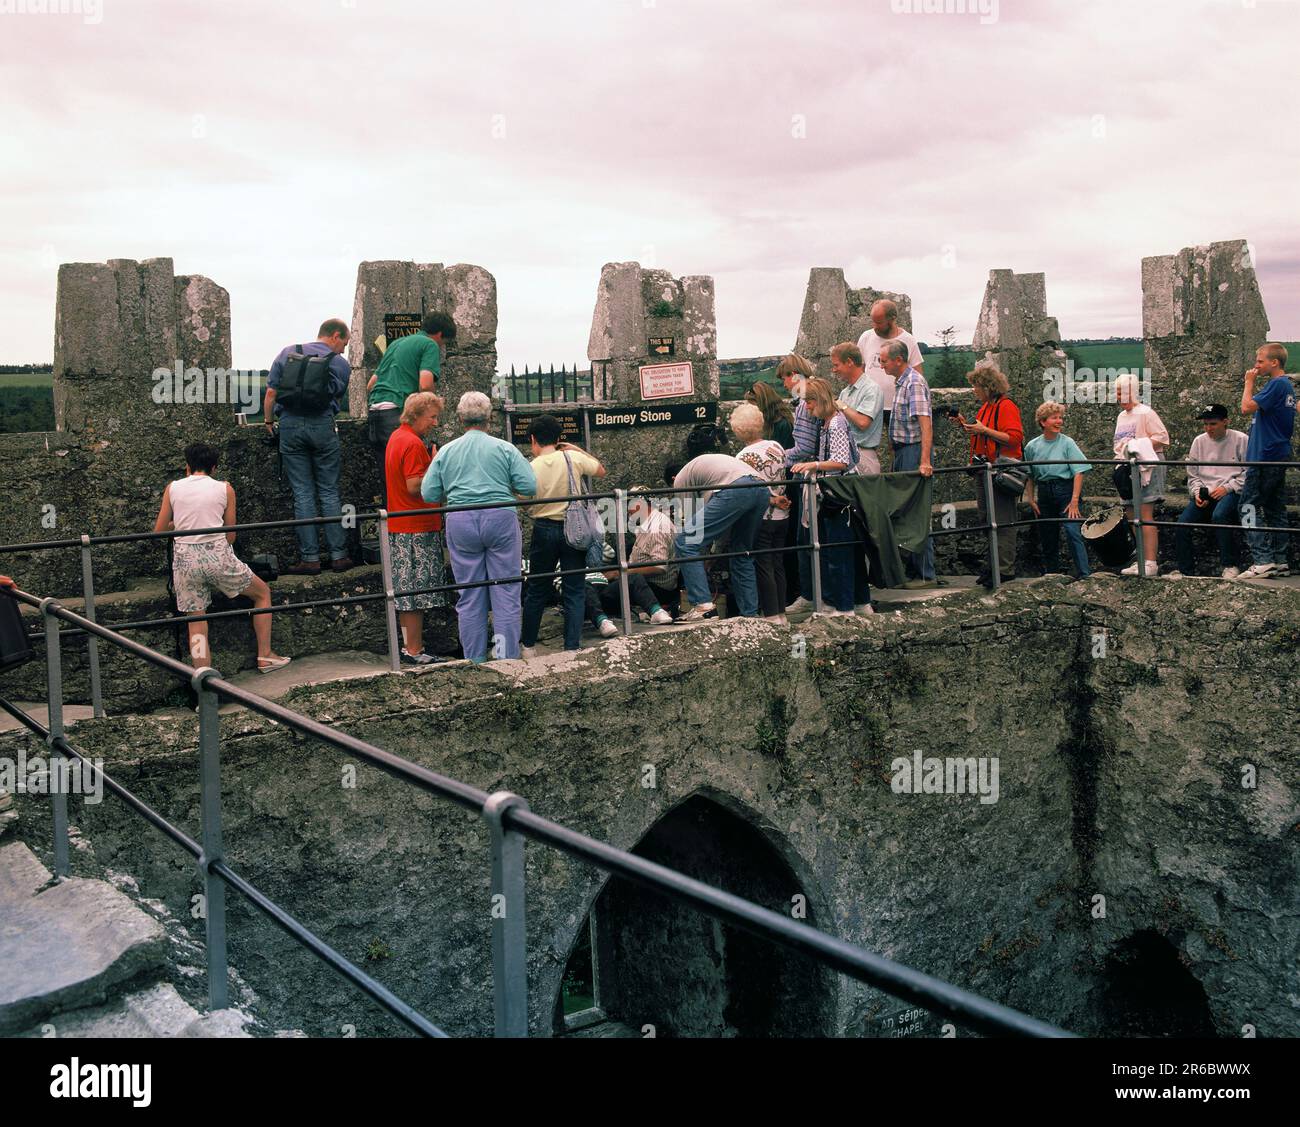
<point>267,664</point>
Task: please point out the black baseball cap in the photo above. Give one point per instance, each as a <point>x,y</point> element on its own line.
<point>1213,411</point>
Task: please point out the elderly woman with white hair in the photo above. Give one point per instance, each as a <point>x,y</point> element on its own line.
<point>767,457</point>
<point>1139,431</point>
<point>484,544</point>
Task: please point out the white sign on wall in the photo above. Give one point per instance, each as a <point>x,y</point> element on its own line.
<point>662,381</point>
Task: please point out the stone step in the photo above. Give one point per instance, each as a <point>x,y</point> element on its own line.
<point>158,1011</point>
<point>67,945</point>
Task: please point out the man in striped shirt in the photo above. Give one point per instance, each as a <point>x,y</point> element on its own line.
<point>911,432</point>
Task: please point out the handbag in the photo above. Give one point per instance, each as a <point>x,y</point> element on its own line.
<point>582,524</point>
<point>1010,475</point>
<point>15,646</point>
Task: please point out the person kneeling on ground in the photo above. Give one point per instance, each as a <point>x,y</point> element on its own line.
<point>205,561</point>
<point>1058,489</point>
<point>414,542</point>
<point>649,584</point>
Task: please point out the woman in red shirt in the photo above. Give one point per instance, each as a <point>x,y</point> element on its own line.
<point>996,432</point>
<point>415,543</point>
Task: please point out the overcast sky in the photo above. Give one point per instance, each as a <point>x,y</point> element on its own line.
<point>274,145</point>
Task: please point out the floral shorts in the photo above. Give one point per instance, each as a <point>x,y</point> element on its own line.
<point>417,563</point>
<point>198,569</point>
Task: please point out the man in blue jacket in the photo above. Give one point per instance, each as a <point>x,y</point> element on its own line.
<point>309,444</point>
<point>1262,496</point>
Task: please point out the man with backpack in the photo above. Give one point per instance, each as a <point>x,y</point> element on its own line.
<point>305,389</point>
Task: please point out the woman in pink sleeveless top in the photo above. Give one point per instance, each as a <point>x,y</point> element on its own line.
<point>205,561</point>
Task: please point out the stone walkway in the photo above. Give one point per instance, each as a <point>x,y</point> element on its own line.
<point>352,664</point>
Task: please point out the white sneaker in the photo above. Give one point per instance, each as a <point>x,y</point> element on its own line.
<point>778,619</point>
<point>1259,571</point>
<point>699,613</point>
<point>799,606</point>
<point>1280,570</point>
<point>864,609</point>
<point>1152,568</point>
<point>527,651</point>
<point>1231,572</point>
<point>661,618</point>
<point>607,628</point>
<point>1174,575</point>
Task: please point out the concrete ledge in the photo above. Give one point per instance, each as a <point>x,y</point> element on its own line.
<point>66,945</point>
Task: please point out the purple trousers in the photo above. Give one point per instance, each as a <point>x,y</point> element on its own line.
<point>486,544</point>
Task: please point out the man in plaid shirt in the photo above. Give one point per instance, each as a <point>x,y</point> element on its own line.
<point>911,432</point>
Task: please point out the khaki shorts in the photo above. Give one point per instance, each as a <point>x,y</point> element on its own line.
<point>198,569</point>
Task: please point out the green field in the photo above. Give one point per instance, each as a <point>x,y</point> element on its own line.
<point>27,403</point>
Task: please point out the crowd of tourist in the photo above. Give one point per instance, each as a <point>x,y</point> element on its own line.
<point>746,511</point>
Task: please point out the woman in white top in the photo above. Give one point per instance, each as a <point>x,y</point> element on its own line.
<point>767,457</point>
<point>1138,422</point>
<point>204,562</point>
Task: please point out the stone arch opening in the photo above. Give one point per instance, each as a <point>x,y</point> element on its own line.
<point>646,961</point>
<point>1149,991</point>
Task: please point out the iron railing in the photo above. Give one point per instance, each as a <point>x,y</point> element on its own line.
<point>568,385</point>
<point>389,595</point>
<point>510,823</point>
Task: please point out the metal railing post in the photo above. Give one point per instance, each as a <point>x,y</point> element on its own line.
<point>54,694</point>
<point>620,548</point>
<point>390,603</point>
<point>92,643</point>
<point>214,889</point>
<point>995,571</point>
<point>814,539</point>
<point>509,935</point>
<point>1135,472</point>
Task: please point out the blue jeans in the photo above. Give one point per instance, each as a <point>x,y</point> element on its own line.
<point>309,450</point>
<point>548,548</point>
<point>1053,496</point>
<point>839,545</point>
<point>486,544</point>
<point>1262,497</point>
<point>1223,513</point>
<point>742,511</point>
<point>908,457</point>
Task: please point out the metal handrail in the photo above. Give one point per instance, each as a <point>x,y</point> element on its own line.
<point>509,821</point>
<point>620,496</point>
<point>286,922</point>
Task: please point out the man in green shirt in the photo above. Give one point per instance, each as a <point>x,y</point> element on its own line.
<point>410,364</point>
